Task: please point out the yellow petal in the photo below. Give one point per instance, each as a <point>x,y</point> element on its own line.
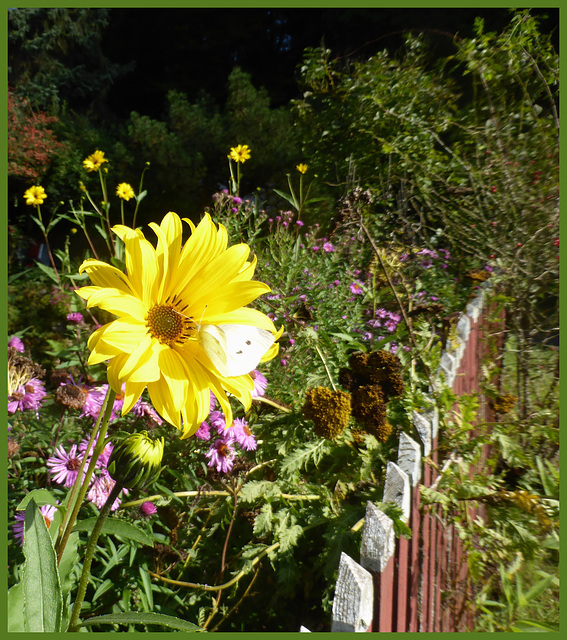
<point>228,298</point>
<point>105,275</point>
<point>142,364</point>
<point>117,302</point>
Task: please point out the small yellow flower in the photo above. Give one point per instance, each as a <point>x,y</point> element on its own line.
<point>302,168</point>
<point>35,196</point>
<point>241,153</point>
<point>94,161</point>
<point>125,191</point>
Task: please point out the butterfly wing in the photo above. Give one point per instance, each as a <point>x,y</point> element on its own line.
<point>235,349</point>
<point>213,341</point>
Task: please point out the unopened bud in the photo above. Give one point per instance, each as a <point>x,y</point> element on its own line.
<point>136,460</point>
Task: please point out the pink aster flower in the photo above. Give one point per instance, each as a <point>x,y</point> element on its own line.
<point>204,431</point>
<point>102,461</point>
<point>356,288</point>
<point>95,400</point>
<point>260,383</point>
<point>148,508</point>
<point>145,410</point>
<point>75,317</point>
<point>328,247</point>
<point>16,344</point>
<point>48,513</point>
<point>217,421</point>
<point>28,396</point>
<point>221,455</point>
<point>64,467</point>
<point>242,434</point>
<point>100,489</point>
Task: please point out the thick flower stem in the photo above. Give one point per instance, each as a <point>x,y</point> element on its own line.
<point>89,554</point>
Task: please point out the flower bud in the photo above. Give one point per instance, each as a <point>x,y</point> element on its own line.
<point>136,460</point>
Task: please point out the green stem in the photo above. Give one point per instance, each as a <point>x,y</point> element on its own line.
<point>89,554</point>
<point>139,192</point>
<point>105,414</point>
<point>326,367</point>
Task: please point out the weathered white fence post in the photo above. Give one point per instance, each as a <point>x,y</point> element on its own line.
<point>354,597</point>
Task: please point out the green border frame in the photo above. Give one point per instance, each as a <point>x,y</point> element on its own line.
<point>292,4</point>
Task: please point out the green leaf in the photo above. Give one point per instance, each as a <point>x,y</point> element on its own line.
<point>16,608</point>
<point>39,496</point>
<point>539,587</point>
<point>117,528</point>
<point>43,602</point>
<point>288,197</point>
<point>532,626</point>
<point>128,617</point>
<point>49,271</point>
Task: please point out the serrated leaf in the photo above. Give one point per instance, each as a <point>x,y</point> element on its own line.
<point>255,489</point>
<point>43,602</point>
<point>263,521</point>
<point>129,617</point>
<point>117,528</point>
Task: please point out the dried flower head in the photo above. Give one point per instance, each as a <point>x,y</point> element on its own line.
<point>328,410</point>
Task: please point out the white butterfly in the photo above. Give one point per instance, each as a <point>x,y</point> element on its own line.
<point>234,349</point>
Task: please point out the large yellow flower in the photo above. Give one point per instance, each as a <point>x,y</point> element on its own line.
<point>167,295</point>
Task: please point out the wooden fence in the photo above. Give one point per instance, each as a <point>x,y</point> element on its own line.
<point>419,584</point>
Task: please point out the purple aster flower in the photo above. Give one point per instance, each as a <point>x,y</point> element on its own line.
<point>221,455</point>
<point>488,268</point>
<point>393,347</point>
<point>299,223</point>
<point>390,325</point>
<point>204,431</point>
<point>381,313</point>
<point>16,344</point>
<point>367,336</point>
<point>242,435</point>
<point>433,298</point>
<point>328,247</point>
<point>236,200</point>
<point>374,323</point>
<point>75,317</point>
<point>28,396</point>
<point>148,508</point>
<point>64,467</point>
<point>356,288</point>
<point>396,317</point>
<point>315,248</point>
<point>48,513</point>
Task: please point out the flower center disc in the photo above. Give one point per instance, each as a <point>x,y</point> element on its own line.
<point>168,325</point>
